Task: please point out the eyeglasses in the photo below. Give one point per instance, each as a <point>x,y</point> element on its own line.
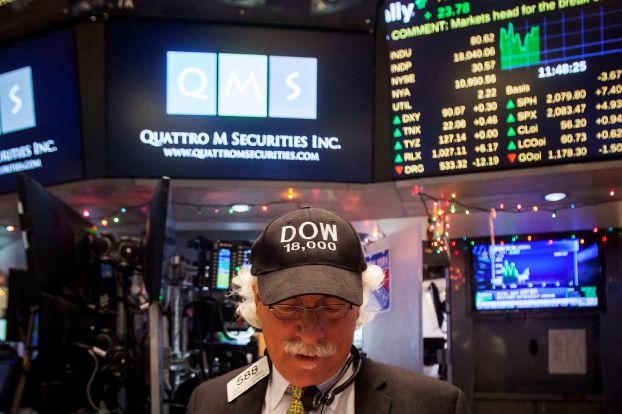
<point>326,312</point>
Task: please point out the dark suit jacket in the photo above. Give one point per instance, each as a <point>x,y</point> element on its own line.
<point>379,389</point>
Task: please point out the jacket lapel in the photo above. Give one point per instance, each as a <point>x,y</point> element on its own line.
<point>368,395</point>
<point>251,402</point>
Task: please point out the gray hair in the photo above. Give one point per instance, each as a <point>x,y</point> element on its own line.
<point>244,284</point>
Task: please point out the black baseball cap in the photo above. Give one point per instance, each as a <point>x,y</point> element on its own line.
<point>308,251</point>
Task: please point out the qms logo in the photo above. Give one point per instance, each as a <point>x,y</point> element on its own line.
<point>17,104</point>
<point>227,84</point>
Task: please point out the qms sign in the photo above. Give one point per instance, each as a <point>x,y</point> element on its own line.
<point>244,85</point>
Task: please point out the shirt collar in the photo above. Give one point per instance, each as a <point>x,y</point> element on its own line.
<point>278,387</point>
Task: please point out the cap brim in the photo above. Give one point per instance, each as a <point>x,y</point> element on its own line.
<point>310,280</point>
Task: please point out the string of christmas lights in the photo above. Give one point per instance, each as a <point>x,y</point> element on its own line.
<point>454,203</point>
<point>235,208</point>
<point>438,215</point>
<point>438,219</point>
<point>116,217</point>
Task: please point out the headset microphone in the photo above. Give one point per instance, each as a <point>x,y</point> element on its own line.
<point>313,398</point>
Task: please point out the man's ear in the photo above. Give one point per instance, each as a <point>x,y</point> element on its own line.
<point>357,309</point>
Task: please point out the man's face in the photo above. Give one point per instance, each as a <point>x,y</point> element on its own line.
<point>296,366</point>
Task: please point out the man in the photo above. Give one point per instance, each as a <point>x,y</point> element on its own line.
<point>307,290</point>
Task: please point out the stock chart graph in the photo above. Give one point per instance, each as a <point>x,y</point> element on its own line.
<point>565,39</point>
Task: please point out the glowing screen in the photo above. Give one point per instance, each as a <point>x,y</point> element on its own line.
<point>211,101</point>
<point>490,85</point>
<point>39,115</point>
<point>553,273</point>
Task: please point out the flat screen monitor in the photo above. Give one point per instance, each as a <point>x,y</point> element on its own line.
<point>547,273</point>
<point>223,269</point>
<point>39,115</point>
<point>239,102</point>
<point>160,239</point>
<point>502,85</point>
<point>17,314</point>
<point>222,262</point>
<point>240,257</point>
<point>58,244</point>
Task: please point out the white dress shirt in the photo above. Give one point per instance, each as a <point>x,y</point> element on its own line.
<point>277,400</point>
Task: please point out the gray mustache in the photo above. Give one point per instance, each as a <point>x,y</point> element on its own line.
<point>317,350</point>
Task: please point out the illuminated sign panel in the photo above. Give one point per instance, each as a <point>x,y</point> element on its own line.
<point>482,85</point>
<point>243,85</point>
<point>191,85</point>
<point>211,101</point>
<point>17,106</point>
<point>293,87</point>
<point>39,121</point>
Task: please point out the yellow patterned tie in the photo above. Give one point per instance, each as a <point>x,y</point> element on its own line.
<point>295,406</point>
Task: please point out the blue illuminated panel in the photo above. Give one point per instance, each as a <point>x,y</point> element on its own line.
<point>39,114</point>
<point>554,273</point>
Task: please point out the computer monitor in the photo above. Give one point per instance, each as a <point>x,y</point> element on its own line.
<point>159,238</point>
<point>221,265</point>
<point>57,243</point>
<point>545,273</point>
<point>18,307</point>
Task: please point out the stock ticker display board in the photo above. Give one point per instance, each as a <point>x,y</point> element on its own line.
<point>494,85</point>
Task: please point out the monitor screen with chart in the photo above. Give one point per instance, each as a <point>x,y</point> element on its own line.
<point>521,84</point>
<point>547,272</point>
